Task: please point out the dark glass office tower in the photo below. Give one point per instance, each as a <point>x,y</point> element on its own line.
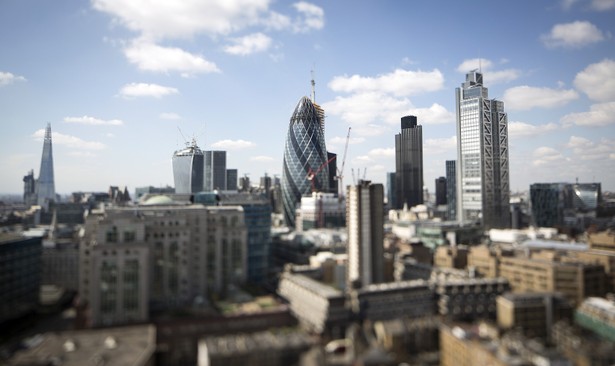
<point>451,189</point>
<point>409,163</point>
<point>441,191</point>
<point>305,158</point>
<point>45,185</point>
<point>483,186</point>
<point>215,170</point>
<point>188,169</point>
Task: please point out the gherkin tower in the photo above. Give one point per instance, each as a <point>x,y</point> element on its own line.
<point>305,157</point>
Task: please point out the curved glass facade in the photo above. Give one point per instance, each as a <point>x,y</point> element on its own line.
<point>305,153</point>
<point>188,169</point>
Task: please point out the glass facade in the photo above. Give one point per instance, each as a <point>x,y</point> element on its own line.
<point>45,185</point>
<point>305,157</point>
<point>451,189</point>
<point>409,163</point>
<point>483,188</point>
<point>215,170</point>
<point>188,169</point>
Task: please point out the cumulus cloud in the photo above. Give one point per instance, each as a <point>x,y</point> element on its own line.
<point>133,90</point>
<point>522,129</point>
<point>338,140</point>
<point>586,149</point>
<point>602,5</point>
<point>436,114</point>
<point>598,80</point>
<point>151,57</point>
<point>602,114</point>
<point>398,83</point>
<point>364,108</point>
<point>490,75</point>
<point>7,78</point>
<point>572,35</point>
<point>257,42</point>
<point>526,97</point>
<point>311,17</point>
<point>232,144</point>
<point>440,145</point>
<point>170,116</point>
<point>382,153</point>
<point>262,158</point>
<point>545,155</point>
<point>87,120</point>
<point>69,141</point>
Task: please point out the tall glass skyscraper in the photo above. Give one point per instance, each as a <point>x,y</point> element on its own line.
<point>409,163</point>
<point>188,169</point>
<point>483,186</point>
<point>305,157</point>
<point>45,185</point>
<point>215,170</point>
<point>451,190</point>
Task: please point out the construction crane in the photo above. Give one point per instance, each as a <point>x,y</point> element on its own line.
<point>312,174</point>
<point>340,171</point>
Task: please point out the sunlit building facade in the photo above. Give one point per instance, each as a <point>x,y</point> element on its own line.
<point>305,158</point>
<point>483,190</point>
<point>188,169</point>
<point>45,185</point>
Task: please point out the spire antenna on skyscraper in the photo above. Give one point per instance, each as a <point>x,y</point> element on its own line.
<point>313,87</point>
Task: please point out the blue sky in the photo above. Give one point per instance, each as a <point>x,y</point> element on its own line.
<point>118,79</point>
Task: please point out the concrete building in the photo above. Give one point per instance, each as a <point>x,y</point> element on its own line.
<point>20,275</point>
<point>267,348</point>
<point>469,299</point>
<point>483,182</point>
<point>451,257</point>
<point>409,163</point>
<point>393,300</point>
<point>543,273</point>
<point>365,224</point>
<point>321,210</point>
<point>598,315</point>
<point>409,339</point>
<point>60,264</point>
<point>581,345</point>
<point>177,254</point>
<point>533,313</point>
<point>125,346</point>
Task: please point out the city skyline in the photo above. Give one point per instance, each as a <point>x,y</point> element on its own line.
<point>118,84</point>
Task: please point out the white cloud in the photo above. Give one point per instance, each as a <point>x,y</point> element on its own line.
<point>312,17</point>
<point>526,97</point>
<point>598,80</point>
<point>602,114</point>
<point>545,155</point>
<point>170,116</point>
<point>522,129</point>
<point>69,141</point>
<point>364,108</point>
<point>490,75</point>
<point>338,140</point>
<point>588,150</point>
<point>257,42</point>
<point>601,5</point>
<point>232,144</point>
<point>440,145</point>
<point>146,90</point>
<point>151,57</point>
<point>7,78</point>
<point>160,19</point>
<point>382,153</point>
<point>87,120</point>
<point>399,83</point>
<point>262,158</point>
<point>573,35</point>
<point>436,114</point>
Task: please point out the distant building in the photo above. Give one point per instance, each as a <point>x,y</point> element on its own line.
<point>409,163</point>
<point>141,191</point>
<point>231,179</point>
<point>305,167</point>
<point>556,204</point>
<point>483,181</point>
<point>20,274</point>
<point>45,185</point>
<point>29,189</point>
<point>365,225</point>
<point>598,315</point>
<point>188,171</point>
<point>391,191</point>
<point>320,210</point>
<point>441,183</point>
<point>60,264</point>
<point>469,299</point>
<point>451,190</point>
<point>215,171</point>
<point>333,183</point>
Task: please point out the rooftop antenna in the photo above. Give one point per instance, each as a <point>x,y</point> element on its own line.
<point>184,137</point>
<point>313,87</point>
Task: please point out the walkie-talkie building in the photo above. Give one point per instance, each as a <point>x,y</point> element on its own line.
<point>188,168</point>
<point>305,157</point>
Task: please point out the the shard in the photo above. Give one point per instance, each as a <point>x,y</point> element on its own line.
<point>45,186</point>
<point>305,166</point>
